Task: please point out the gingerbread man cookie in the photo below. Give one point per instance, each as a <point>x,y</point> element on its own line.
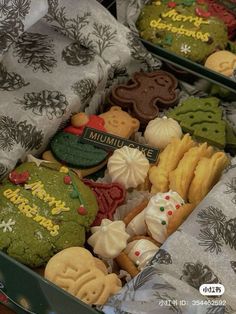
<point>145,93</point>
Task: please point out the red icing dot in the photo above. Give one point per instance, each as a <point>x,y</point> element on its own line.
<point>202,13</point>
<point>67,179</point>
<point>171,4</point>
<point>167,197</point>
<point>177,206</point>
<point>169,212</point>
<point>82,210</point>
<point>137,253</point>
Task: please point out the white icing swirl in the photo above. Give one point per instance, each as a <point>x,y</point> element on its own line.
<point>128,166</point>
<point>108,239</point>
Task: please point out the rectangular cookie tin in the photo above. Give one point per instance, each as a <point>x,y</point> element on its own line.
<point>25,288</point>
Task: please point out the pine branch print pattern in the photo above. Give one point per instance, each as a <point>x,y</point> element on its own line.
<point>10,81</point>
<point>13,132</point>
<point>105,37</point>
<point>75,54</point>
<point>49,103</point>
<point>11,21</point>
<point>231,188</point>
<point>139,53</point>
<point>85,89</point>
<point>35,50</point>
<point>3,170</point>
<point>217,230</point>
<point>161,257</point>
<point>196,274</point>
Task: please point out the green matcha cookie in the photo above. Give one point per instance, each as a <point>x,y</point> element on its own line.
<point>184,27</point>
<point>43,211</point>
<point>230,139</point>
<point>201,117</point>
<point>67,148</point>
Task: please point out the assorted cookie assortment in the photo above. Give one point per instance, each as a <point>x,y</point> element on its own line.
<point>60,212</point>
<point>199,30</point>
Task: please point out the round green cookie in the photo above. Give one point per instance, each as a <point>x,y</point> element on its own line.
<point>67,148</point>
<point>43,214</point>
<point>183,27</point>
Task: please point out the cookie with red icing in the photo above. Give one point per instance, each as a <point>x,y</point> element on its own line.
<point>109,197</point>
<point>228,17</point>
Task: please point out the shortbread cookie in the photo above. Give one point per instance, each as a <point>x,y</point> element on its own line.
<point>76,271</point>
<point>168,161</point>
<point>119,122</point>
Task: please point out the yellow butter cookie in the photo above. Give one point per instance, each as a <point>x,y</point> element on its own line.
<point>206,175</point>
<point>168,161</point>
<point>79,273</point>
<point>181,177</point>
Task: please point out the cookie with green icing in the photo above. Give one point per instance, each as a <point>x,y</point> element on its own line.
<point>43,211</point>
<point>184,27</point>
<point>68,148</point>
<point>201,117</point>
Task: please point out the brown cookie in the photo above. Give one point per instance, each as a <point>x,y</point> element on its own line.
<point>145,93</point>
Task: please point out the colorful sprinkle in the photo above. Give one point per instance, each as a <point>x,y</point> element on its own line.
<point>67,179</point>
<point>169,212</point>
<point>167,197</point>
<point>137,253</point>
<point>82,210</point>
<point>177,206</point>
<point>162,209</point>
<point>163,222</point>
<point>168,39</point>
<point>64,169</point>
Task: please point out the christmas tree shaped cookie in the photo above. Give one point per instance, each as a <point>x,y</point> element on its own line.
<point>202,117</point>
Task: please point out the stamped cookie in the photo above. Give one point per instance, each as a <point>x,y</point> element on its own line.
<point>201,117</point>
<point>42,211</point>
<point>145,94</point>
<point>67,148</point>
<point>119,122</point>
<point>109,197</point>
<point>78,272</point>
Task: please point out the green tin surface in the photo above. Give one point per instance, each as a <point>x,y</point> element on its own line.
<point>22,286</point>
